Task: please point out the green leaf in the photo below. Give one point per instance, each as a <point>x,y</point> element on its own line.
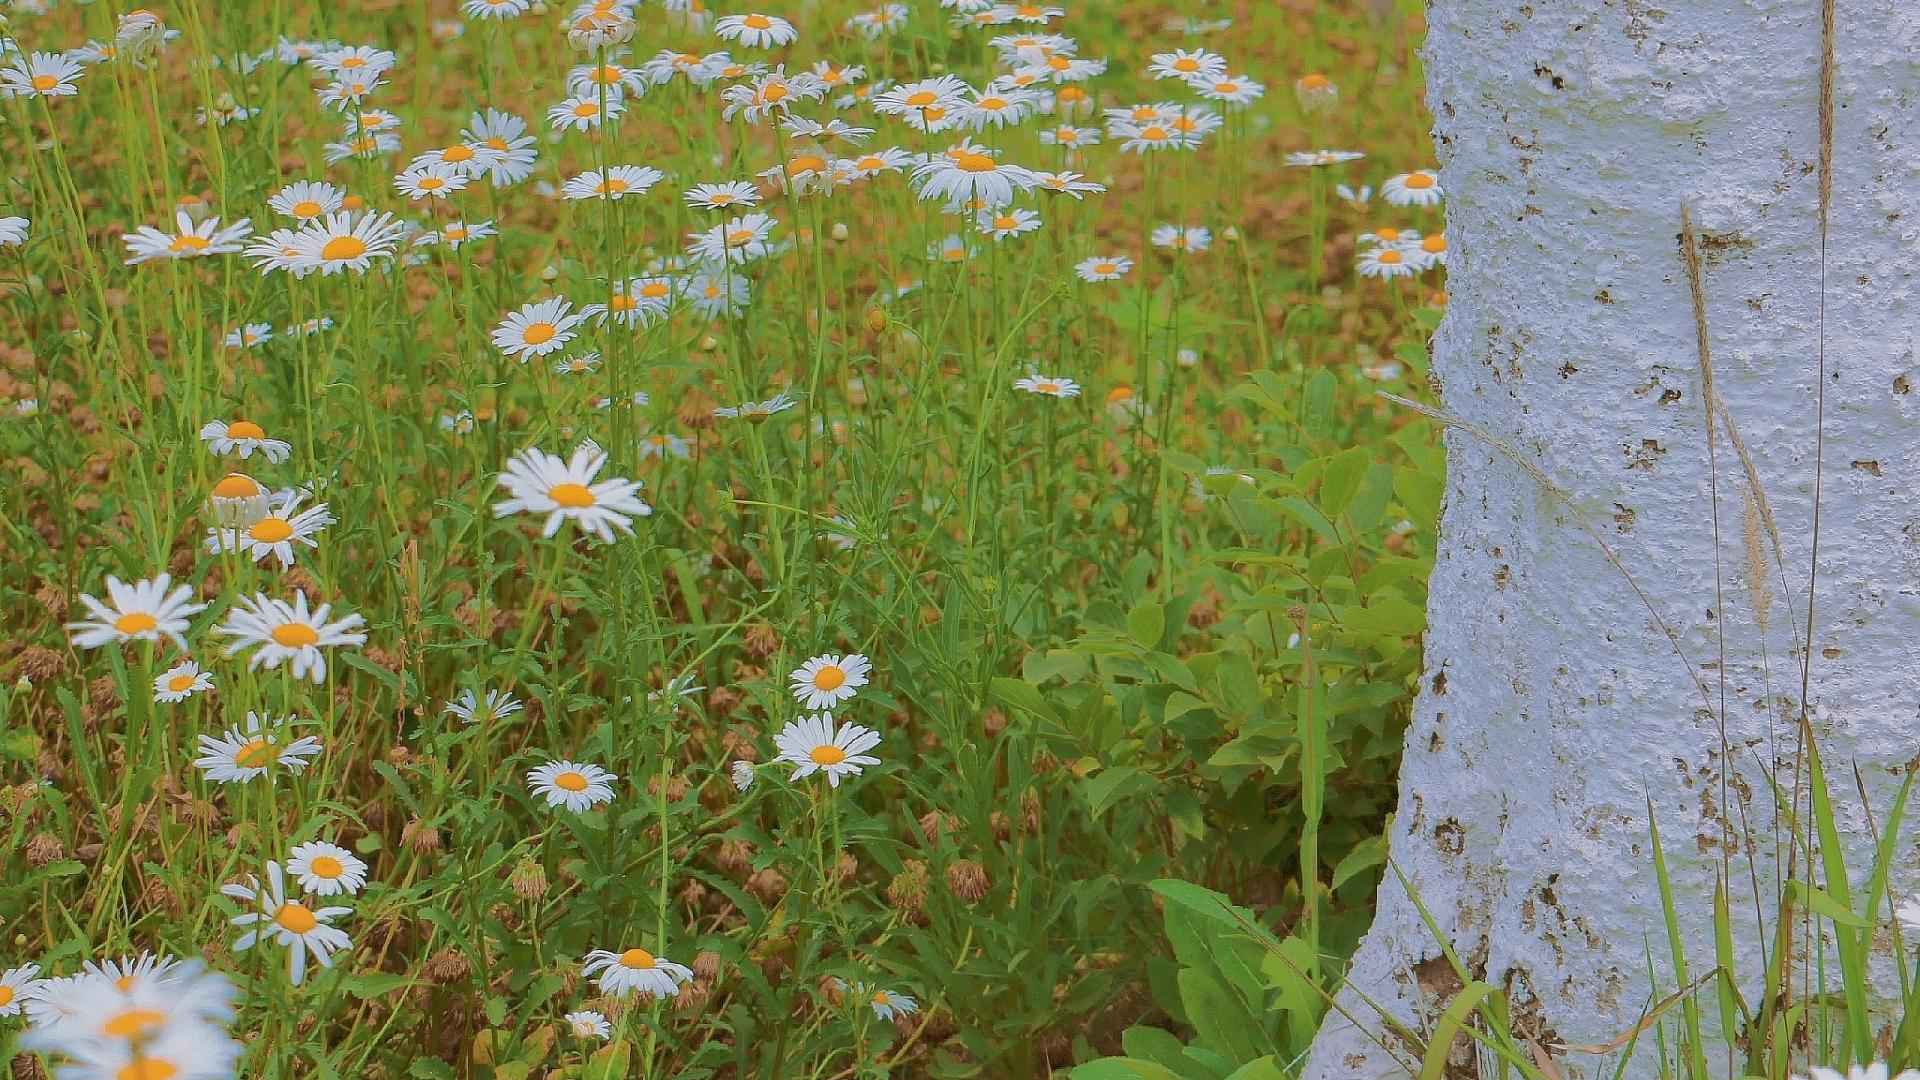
<point>1364,855</point>
<point>1151,1044</point>
<point>1317,407</point>
<point>1123,1069</point>
<point>1266,1068</point>
<point>609,1063</point>
<point>1342,480</point>
<point>430,1069</point>
<point>1107,787</point>
<point>1146,622</point>
<point>374,984</point>
<point>1018,694</point>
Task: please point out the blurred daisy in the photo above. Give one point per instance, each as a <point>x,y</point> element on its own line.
<point>827,680</point>
<point>326,869</point>
<point>583,364</point>
<point>1315,92</point>
<point>1235,90</point>
<point>722,196</point>
<point>243,437</point>
<point>302,929</point>
<point>1103,268</point>
<point>1191,239</point>
<point>879,21</point>
<point>1073,138</point>
<point>1355,198</point>
<point>365,146</point>
<point>1418,188</point>
<point>741,773</point>
<point>1385,262</point>
<point>588,1024</point>
<point>180,682</point>
<point>564,489</point>
<point>635,302</point>
<point>737,241</point>
<point>430,182</point>
<point>538,328</point>
<point>1048,386</point>
<point>242,754</point>
<point>40,75</point>
<point>715,294</point>
<point>662,444</point>
<point>1319,158</point>
<point>636,969</point>
<point>1387,236</point>
<point>305,200</point>
<point>575,785</point>
<point>284,632</point>
<point>143,611</point>
<point>494,705</point>
<point>756,31</point>
<point>1067,183</point>
<point>275,532</point>
<point>455,233</point>
<point>757,411</point>
<point>17,986</point>
<point>587,80</point>
<point>1429,252</point>
<point>246,337</point>
<point>13,231</point>
<point>191,241</point>
<point>1187,64</point>
<point>494,9</point>
<point>813,744</point>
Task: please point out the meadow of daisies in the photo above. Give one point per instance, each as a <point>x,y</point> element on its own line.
<point>637,540</point>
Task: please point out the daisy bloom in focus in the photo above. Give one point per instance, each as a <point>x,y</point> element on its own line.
<point>722,196</point>
<point>430,182</point>
<point>191,241</point>
<point>737,241</point>
<point>455,233</point>
<point>1385,262</point>
<point>240,755</point>
<point>180,682</point>
<point>1006,222</point>
<point>971,177</point>
<point>1233,90</point>
<point>886,1004</point>
<point>505,135</point>
<point>327,869</point>
<point>345,241</point>
<point>243,437</point>
<point>827,680</point>
<point>284,631</point>
<point>581,113</point>
<point>304,200</point>
<point>756,31</point>
<point>1418,188</point>
<point>538,328</point>
<point>1103,268</point>
<point>276,531</point>
<point>143,611</point>
<point>575,785</point>
<point>812,744</point>
<point>588,1024</point>
<point>40,75</point>
<point>617,182</point>
<point>302,929</point>
<point>476,710</point>
<point>1187,64</point>
<point>1048,386</point>
<point>564,489</point>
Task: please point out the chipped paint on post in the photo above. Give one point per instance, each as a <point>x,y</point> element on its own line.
<point>1555,709</point>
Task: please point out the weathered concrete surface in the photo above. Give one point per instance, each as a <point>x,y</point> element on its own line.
<point>1554,708</point>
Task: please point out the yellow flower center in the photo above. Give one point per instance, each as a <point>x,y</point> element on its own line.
<point>621,302</point>
<point>993,103</point>
<point>6,996</point>
<point>1226,87</point>
<point>654,290</point>
<point>306,208</point>
<point>973,163</point>
<point>585,108</point>
<point>613,186</point>
<point>44,83</point>
<point>722,199</point>
<point>921,99</point>
<point>295,918</point>
<point>637,959</point>
<point>326,866</point>
<point>932,114</point>
<point>539,333</point>
<point>295,635</point>
<point>1419,181</point>
<point>353,62</point>
<point>1387,236</point>
<point>355,202</point>
<point>805,163</point>
<point>257,754</point>
<point>1104,268</point>
<point>607,74</point>
<point>871,161</point>
<point>739,237</point>
<point>189,242</point>
<point>135,622</point>
<point>1143,113</point>
<point>343,248</point>
<point>147,1068</point>
<point>245,429</point>
<point>827,755</point>
<point>1186,63</point>
<point>1391,258</point>
<point>1154,133</point>
<point>570,781</point>
<point>880,997</point>
<point>270,530</point>
<point>757,22</point>
<point>1048,387</point>
<point>830,677</point>
<point>455,232</point>
<point>1059,63</point>
<point>1005,221</point>
<point>1315,81</point>
<point>1435,244</point>
<point>571,496</point>
<point>133,1023</point>
<point>236,486</point>
<point>1071,94</point>
<point>431,183</point>
<point>179,684</point>
<point>1119,394</point>
<point>497,143</point>
<point>457,153</point>
<point>774,92</point>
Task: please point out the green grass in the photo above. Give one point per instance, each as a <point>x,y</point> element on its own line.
<point>1106,682</point>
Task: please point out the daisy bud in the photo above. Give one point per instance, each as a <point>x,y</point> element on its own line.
<point>549,272</point>
<point>839,232</point>
<point>528,880</point>
<point>709,343</point>
<point>742,775</point>
<point>967,881</point>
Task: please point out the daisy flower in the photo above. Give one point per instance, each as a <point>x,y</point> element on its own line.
<point>663,444</point>
<point>1387,236</point>
<point>275,532</point>
<point>176,1051</point>
<point>971,177</point>
<point>1191,239</point>
<point>505,134</point>
<point>467,159</point>
<point>812,744</point>
<point>191,241</point>
<point>180,682</point>
<point>277,250</point>
<point>1027,13</point>
<point>1187,64</point>
<point>1418,188</point>
<point>17,986</point>
<point>827,680</point>
<point>480,709</point>
<point>583,364</point>
<point>886,1004</point>
<point>878,22</point>
<point>741,773</point>
<point>1315,92</point>
<point>284,631</point>
<point>1103,268</point>
<point>302,929</point>
<point>238,500</point>
<point>1309,159</point>
<point>756,31</point>
<point>617,182</point>
<point>347,241</point>
<point>722,196</point>
<point>430,182</point>
<point>995,108</point>
<point>494,9</point>
<point>242,754</point>
<point>1070,137</point>
<point>305,200</point>
<point>143,611</point>
<point>326,869</point>
<point>802,128</point>
<point>347,94</point>
<point>588,1024</point>
<point>1386,262</point>
<point>875,162</point>
<point>1430,252</point>
<point>582,113</point>
<point>455,233</point>
<point>586,80</point>
<point>634,302</point>
<point>13,231</point>
<point>737,241</point>
<point>564,489</point>
<point>538,328</point>
<point>364,146</point>
<point>364,60</point>
<point>1048,386</point>
<point>41,75</point>
<point>1006,222</point>
<point>1356,199</point>
<point>575,785</point>
<point>1147,138</point>
<point>757,412</point>
<point>636,969</point>
<point>243,437</point>
<point>1067,183</point>
<point>912,101</point>
<point>714,295</point>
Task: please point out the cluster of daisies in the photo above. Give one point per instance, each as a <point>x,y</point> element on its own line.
<point>145,1017</point>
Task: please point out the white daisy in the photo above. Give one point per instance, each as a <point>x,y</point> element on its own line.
<point>581,113</point>
<point>756,31</point>
<point>1418,188</point>
<point>327,869</point>
<point>41,75</point>
<point>575,785</point>
<point>1048,386</point>
<point>636,969</point>
<point>275,532</point>
<point>635,302</point>
<point>302,929</point>
<point>180,682</point>
<point>17,986</point>
<point>715,295</point>
<point>430,181</point>
<point>246,337</point>
<point>1103,268</point>
<point>1191,239</point>
<point>13,231</point>
<point>143,611</point>
<point>757,412</point>
<point>346,241</point>
<point>191,241</point>
<point>284,631</point>
<point>617,182</point>
<point>742,773</point>
<point>812,744</point>
<point>506,136</point>
<point>663,444</point>
<point>588,1024</point>
<point>1007,221</point>
<point>538,328</point>
<point>1187,64</point>
<point>243,437</point>
<point>722,196</point>
<point>737,241</point>
<point>242,754</point>
<point>494,705</point>
<point>1386,262</point>
<point>971,178</point>
<point>564,489</point>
